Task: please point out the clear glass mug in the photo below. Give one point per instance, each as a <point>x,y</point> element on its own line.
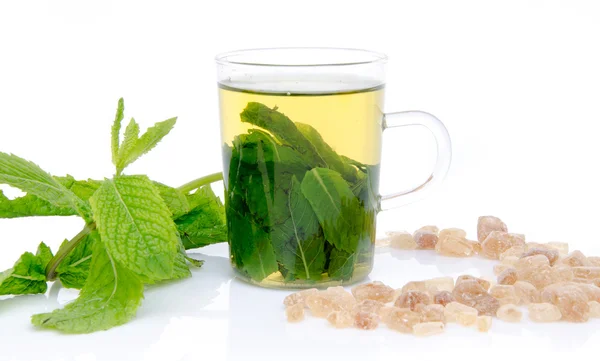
<point>301,131</point>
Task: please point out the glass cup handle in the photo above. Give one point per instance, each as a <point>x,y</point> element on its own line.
<point>444,156</point>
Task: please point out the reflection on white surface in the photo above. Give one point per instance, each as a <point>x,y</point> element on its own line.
<point>214,316</point>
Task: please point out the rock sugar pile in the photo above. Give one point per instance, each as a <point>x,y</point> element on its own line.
<point>552,283</point>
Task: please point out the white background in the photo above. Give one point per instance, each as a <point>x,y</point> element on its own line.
<point>516,83</point>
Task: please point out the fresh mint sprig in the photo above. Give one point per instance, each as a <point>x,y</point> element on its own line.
<point>136,232</point>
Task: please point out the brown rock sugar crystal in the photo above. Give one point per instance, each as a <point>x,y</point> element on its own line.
<point>443,298</point>
<point>385,311</point>
<point>400,319</point>
<point>468,291</point>
<point>484,323</point>
<point>561,247</point>
<point>544,312</point>
<point>487,305</point>
<point>594,309</point>
<point>411,299</point>
<point>487,224</point>
<point>431,313</point>
<point>452,232</point>
<point>341,319</point>
<point>340,296</point>
<point>376,291</point>
<point>401,240</point>
<point>459,313</point>
<point>537,260</point>
<point>576,259</point>
<point>499,268</point>
<point>562,273</point>
<point>439,284</point>
<point>472,294</point>
<point>476,247</point>
<point>298,297</point>
<point>413,286</point>
<point>508,277</point>
<point>509,313</point>
<point>366,320</point>
<point>295,313</point>
<point>453,246</point>
<point>383,242</point>
<point>509,260</point>
<point>570,300</point>
<point>370,306</point>
<point>589,273</point>
<point>591,291</point>
<point>426,237</point>
<point>551,254</point>
<point>505,294</point>
<point>322,303</point>
<point>515,251</point>
<point>497,243</point>
<point>540,277</point>
<point>484,283</point>
<point>428,328</point>
<point>526,292</point>
<point>431,285</point>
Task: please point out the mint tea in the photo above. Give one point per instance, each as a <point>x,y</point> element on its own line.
<point>301,177</point>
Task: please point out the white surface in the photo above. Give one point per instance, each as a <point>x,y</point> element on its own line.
<point>516,83</point>
<point>214,316</point>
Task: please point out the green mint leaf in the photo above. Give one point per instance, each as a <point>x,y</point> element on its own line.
<point>252,250</point>
<point>341,264</point>
<point>263,173</point>
<point>44,253</point>
<point>136,226</point>
<point>132,133</point>
<point>283,128</point>
<point>247,226</point>
<point>74,269</point>
<point>332,159</point>
<point>82,189</point>
<point>27,176</point>
<point>28,275</point>
<point>205,223</point>
<point>289,187</point>
<point>368,192</point>
<point>336,207</point>
<point>174,199</point>
<point>110,297</point>
<point>116,131</point>
<point>180,267</point>
<point>298,242</point>
<point>30,206</point>
<point>144,144</point>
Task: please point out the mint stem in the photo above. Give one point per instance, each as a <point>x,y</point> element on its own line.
<point>197,183</point>
<point>64,251</point>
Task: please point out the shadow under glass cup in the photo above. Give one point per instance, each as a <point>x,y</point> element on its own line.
<point>301,131</point>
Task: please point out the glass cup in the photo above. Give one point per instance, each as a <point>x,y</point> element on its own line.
<point>301,130</point>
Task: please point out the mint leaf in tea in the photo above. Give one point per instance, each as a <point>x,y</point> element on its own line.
<point>301,177</point>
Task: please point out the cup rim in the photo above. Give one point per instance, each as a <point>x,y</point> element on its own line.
<point>375,57</point>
